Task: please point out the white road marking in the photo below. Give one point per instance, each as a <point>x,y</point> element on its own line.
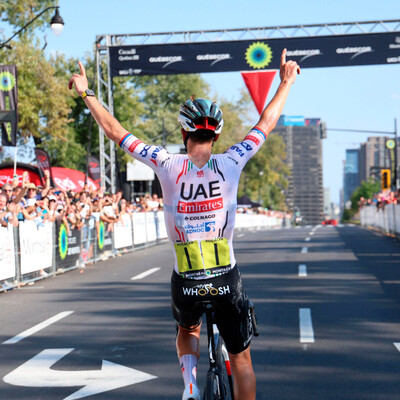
<point>240,235</point>
<point>38,327</point>
<point>312,233</point>
<point>308,239</point>
<point>302,270</point>
<point>306,327</point>
<point>144,274</point>
<point>37,372</point>
<point>304,250</point>
<point>397,345</point>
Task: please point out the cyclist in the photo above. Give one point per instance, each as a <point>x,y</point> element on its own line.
<point>199,192</point>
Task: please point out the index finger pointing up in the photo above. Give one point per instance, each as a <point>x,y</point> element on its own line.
<point>283,57</point>
<point>82,68</point>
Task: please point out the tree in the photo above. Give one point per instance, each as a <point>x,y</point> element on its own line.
<point>367,189</point>
<point>19,12</point>
<point>264,176</point>
<point>43,98</point>
<point>161,97</point>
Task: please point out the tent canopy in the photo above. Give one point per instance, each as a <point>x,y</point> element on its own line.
<point>245,201</point>
<point>64,178</point>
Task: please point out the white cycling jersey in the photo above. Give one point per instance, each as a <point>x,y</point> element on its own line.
<point>199,203</point>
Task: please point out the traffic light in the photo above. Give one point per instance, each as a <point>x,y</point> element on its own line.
<point>385,179</point>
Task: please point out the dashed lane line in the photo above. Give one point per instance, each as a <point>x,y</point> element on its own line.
<point>397,345</point>
<point>38,327</point>
<point>302,270</point>
<point>304,250</point>
<point>306,326</point>
<point>144,274</point>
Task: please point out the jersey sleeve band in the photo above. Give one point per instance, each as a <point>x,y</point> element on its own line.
<point>256,128</point>
<point>124,139</point>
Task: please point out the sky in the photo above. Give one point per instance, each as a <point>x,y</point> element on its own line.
<point>360,98</point>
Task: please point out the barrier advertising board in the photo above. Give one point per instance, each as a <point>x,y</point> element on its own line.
<point>7,253</point>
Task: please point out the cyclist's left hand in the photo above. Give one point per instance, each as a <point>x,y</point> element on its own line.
<point>289,69</point>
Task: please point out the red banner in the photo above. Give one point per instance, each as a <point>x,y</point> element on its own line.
<point>64,178</point>
<point>258,83</point>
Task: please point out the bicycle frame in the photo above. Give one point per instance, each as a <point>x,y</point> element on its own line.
<point>214,345</point>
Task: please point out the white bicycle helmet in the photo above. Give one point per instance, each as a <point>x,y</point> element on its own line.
<point>200,115</point>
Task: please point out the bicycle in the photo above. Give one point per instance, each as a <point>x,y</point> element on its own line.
<point>219,380</point>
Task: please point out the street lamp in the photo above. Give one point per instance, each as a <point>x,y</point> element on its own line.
<point>56,24</point>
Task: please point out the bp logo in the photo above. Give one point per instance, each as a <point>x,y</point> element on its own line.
<point>258,55</point>
<point>101,235</point>
<point>63,242</point>
<point>7,81</point>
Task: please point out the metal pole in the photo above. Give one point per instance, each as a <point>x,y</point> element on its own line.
<point>15,158</point>
<point>396,173</point>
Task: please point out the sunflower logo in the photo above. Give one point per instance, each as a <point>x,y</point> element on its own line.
<point>63,241</point>
<point>7,81</point>
<point>258,55</point>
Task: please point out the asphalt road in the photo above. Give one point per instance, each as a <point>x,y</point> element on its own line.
<point>327,301</point>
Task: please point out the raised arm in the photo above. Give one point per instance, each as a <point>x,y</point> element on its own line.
<point>272,112</point>
<point>110,125</point>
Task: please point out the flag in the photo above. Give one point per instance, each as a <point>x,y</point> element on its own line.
<point>94,169</point>
<point>258,83</point>
<point>8,104</point>
<point>43,163</point>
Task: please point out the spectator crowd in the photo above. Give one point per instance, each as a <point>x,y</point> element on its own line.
<point>26,201</point>
<point>381,199</point>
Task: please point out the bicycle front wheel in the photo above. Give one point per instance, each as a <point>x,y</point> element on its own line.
<point>225,382</point>
<point>212,389</point>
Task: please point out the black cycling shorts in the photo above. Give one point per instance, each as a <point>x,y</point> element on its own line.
<point>232,313</point>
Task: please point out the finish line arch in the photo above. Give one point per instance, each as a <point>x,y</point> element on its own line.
<point>248,49</point>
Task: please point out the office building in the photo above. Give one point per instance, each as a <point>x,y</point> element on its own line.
<point>351,177</point>
<point>303,139</point>
<point>374,156</point>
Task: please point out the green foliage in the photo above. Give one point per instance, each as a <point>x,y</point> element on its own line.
<point>43,98</point>
<point>161,97</point>
<point>147,106</point>
<point>264,177</point>
<point>19,12</point>
<point>367,189</point>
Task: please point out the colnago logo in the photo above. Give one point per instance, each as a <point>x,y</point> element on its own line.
<point>213,57</point>
<point>304,54</point>
<point>167,60</point>
<point>356,51</point>
<point>208,288</point>
<point>200,206</point>
<point>200,217</point>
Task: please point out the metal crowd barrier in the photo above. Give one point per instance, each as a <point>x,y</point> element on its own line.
<point>386,218</point>
<point>34,251</point>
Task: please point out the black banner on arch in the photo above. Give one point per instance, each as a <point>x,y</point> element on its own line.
<point>254,55</point>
